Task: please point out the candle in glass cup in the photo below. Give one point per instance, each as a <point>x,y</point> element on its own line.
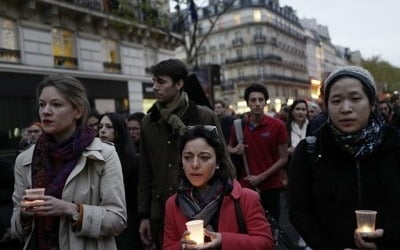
<point>35,192</point>
<point>365,221</point>
<point>195,227</point>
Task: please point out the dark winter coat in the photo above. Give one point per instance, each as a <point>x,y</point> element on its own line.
<point>324,192</point>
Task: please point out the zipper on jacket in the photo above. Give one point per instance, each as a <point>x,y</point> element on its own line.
<point>359,190</point>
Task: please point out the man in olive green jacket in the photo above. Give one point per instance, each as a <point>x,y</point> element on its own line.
<point>161,129</point>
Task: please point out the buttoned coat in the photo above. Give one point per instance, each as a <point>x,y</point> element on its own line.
<point>258,236</point>
<point>97,183</point>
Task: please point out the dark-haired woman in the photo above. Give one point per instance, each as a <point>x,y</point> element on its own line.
<point>113,128</point>
<point>208,191</point>
<point>297,123</point>
<point>352,163</point>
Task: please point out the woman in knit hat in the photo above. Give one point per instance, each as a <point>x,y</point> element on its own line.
<point>351,163</point>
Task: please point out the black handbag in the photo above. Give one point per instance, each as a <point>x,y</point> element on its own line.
<point>281,238</point>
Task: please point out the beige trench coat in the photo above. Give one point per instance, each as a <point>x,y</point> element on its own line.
<point>97,183</point>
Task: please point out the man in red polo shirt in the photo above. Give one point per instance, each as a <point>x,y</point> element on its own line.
<point>265,145</point>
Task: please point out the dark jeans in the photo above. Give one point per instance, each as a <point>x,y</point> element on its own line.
<point>270,199</point>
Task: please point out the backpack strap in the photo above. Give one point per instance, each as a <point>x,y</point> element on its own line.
<point>311,143</point>
<point>312,152</point>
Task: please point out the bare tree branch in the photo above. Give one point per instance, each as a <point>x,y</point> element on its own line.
<point>190,42</point>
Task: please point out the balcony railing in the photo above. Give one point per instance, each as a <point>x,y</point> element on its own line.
<point>90,4</point>
<point>112,67</point>
<point>237,42</point>
<point>234,60</point>
<point>273,57</point>
<point>65,62</point>
<point>260,39</point>
<point>274,41</point>
<point>9,55</point>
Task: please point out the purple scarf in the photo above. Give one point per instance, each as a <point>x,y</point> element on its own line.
<point>52,162</point>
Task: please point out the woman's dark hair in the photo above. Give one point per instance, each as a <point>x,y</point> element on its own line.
<point>94,113</point>
<point>209,134</point>
<point>292,107</point>
<point>122,141</point>
<point>137,116</point>
<point>290,118</point>
<point>387,103</point>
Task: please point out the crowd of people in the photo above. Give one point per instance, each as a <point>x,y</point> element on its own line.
<point>116,181</point>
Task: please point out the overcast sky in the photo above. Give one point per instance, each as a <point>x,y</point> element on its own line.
<point>370,26</point>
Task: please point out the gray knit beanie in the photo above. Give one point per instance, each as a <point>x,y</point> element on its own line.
<point>357,72</point>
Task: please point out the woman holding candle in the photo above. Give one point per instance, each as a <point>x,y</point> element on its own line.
<point>351,163</point>
<point>208,191</point>
<point>84,202</point>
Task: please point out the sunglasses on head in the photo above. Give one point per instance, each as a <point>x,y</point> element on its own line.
<point>210,128</point>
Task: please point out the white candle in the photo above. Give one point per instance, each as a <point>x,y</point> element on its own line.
<point>365,229</point>
<point>34,201</point>
<point>195,227</point>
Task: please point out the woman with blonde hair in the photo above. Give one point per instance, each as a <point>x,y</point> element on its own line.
<point>83,206</point>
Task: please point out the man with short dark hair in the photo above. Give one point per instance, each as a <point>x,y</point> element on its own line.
<point>161,129</point>
<point>265,145</point>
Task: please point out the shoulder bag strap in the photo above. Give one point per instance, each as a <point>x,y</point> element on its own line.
<point>239,217</point>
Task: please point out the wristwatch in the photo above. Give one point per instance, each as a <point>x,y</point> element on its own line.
<point>76,213</point>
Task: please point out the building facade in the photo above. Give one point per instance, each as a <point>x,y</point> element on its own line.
<point>322,55</point>
<point>256,41</point>
<point>109,54</point>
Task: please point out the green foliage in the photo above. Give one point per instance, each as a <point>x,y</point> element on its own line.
<point>387,76</point>
<point>144,12</point>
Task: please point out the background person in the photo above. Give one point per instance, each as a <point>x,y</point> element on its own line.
<point>353,164</point>
<point>226,121</point>
<point>35,130</point>
<point>84,202</point>
<point>208,191</point>
<point>296,126</point>
<point>297,123</point>
<point>113,128</point>
<point>265,145</point>
<point>134,125</point>
<point>385,111</point>
<point>93,120</point>
<point>23,143</point>
<point>29,136</point>
<point>313,109</point>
